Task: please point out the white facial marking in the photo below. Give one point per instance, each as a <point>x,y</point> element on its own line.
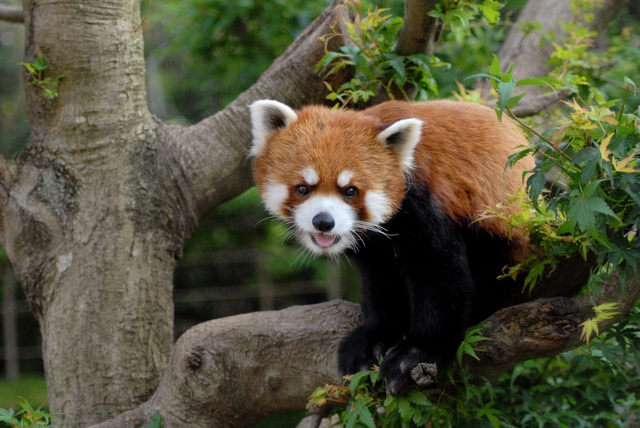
<point>310,176</point>
<point>343,216</point>
<point>274,195</point>
<point>378,207</point>
<point>344,178</point>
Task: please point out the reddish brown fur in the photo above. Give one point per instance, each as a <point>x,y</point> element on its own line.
<point>332,142</point>
<point>461,157</point>
<point>463,149</point>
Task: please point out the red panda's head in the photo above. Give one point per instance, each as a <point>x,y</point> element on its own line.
<point>330,174</point>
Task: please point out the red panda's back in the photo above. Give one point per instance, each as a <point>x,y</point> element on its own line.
<point>462,156</point>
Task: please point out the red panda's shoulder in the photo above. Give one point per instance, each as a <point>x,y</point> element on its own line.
<point>462,155</point>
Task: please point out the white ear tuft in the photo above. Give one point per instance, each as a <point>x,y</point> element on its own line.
<point>266,117</point>
<point>403,136</point>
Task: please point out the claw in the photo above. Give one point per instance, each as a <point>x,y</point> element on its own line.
<point>424,374</point>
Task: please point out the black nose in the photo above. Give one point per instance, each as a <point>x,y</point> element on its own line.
<point>323,222</point>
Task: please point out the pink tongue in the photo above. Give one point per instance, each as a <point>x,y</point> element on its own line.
<point>324,240</point>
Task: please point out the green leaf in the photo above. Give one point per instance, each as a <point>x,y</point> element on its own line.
<point>405,409</point>
<point>540,81</point>
<point>535,185</point>
<point>494,69</point>
<point>29,67</point>
<point>630,82</point>
<point>457,17</point>
<point>581,215</point>
<point>398,66</point>
<point>416,397</point>
<point>491,9</point>
<point>513,101</point>
<point>156,421</point>
<point>356,380</point>
<point>504,93</point>
<point>39,64</point>
<point>600,205</point>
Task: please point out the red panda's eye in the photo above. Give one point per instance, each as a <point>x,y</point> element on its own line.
<point>302,190</point>
<point>350,192</point>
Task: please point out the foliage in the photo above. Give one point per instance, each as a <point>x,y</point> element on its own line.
<point>368,405</point>
<point>376,66</point>
<point>48,85</point>
<point>594,151</point>
<point>594,386</point>
<point>364,403</point>
<point>155,422</point>
<point>212,50</point>
<point>593,147</point>
<point>26,417</point>
<point>371,54</point>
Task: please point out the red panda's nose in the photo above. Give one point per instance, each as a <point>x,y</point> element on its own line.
<point>323,222</point>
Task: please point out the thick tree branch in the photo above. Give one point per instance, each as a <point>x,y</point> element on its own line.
<point>546,327</point>
<point>535,104</point>
<point>212,155</point>
<point>420,33</point>
<point>234,371</point>
<point>11,14</point>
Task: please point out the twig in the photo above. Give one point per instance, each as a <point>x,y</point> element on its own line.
<point>11,14</point>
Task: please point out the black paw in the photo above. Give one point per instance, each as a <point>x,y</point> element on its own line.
<point>361,350</point>
<point>406,366</point>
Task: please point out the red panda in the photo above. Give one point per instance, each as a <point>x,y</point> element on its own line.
<point>398,188</point>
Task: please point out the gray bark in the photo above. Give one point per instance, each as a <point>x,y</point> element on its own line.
<point>527,51</point>
<point>237,370</point>
<point>233,372</point>
<point>96,210</point>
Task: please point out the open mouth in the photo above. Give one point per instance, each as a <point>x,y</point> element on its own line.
<point>323,240</point>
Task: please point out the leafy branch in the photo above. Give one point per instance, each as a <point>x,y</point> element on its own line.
<point>594,149</point>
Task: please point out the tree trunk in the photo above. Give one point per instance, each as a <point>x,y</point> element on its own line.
<point>96,210</point>
<point>80,224</point>
<point>528,53</point>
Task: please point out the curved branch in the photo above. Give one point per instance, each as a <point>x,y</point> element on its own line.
<point>11,14</point>
<point>528,52</point>
<point>534,104</point>
<point>212,154</point>
<point>545,327</point>
<point>236,370</point>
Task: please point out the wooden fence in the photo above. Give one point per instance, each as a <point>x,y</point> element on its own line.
<point>266,291</point>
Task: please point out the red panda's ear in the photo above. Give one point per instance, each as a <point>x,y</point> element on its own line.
<point>403,136</point>
<point>266,117</point>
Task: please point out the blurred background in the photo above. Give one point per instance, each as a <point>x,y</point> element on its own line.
<point>200,55</point>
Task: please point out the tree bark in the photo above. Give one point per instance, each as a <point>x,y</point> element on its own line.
<point>95,211</point>
<point>420,33</point>
<point>527,51</point>
<point>237,370</point>
<point>234,371</point>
